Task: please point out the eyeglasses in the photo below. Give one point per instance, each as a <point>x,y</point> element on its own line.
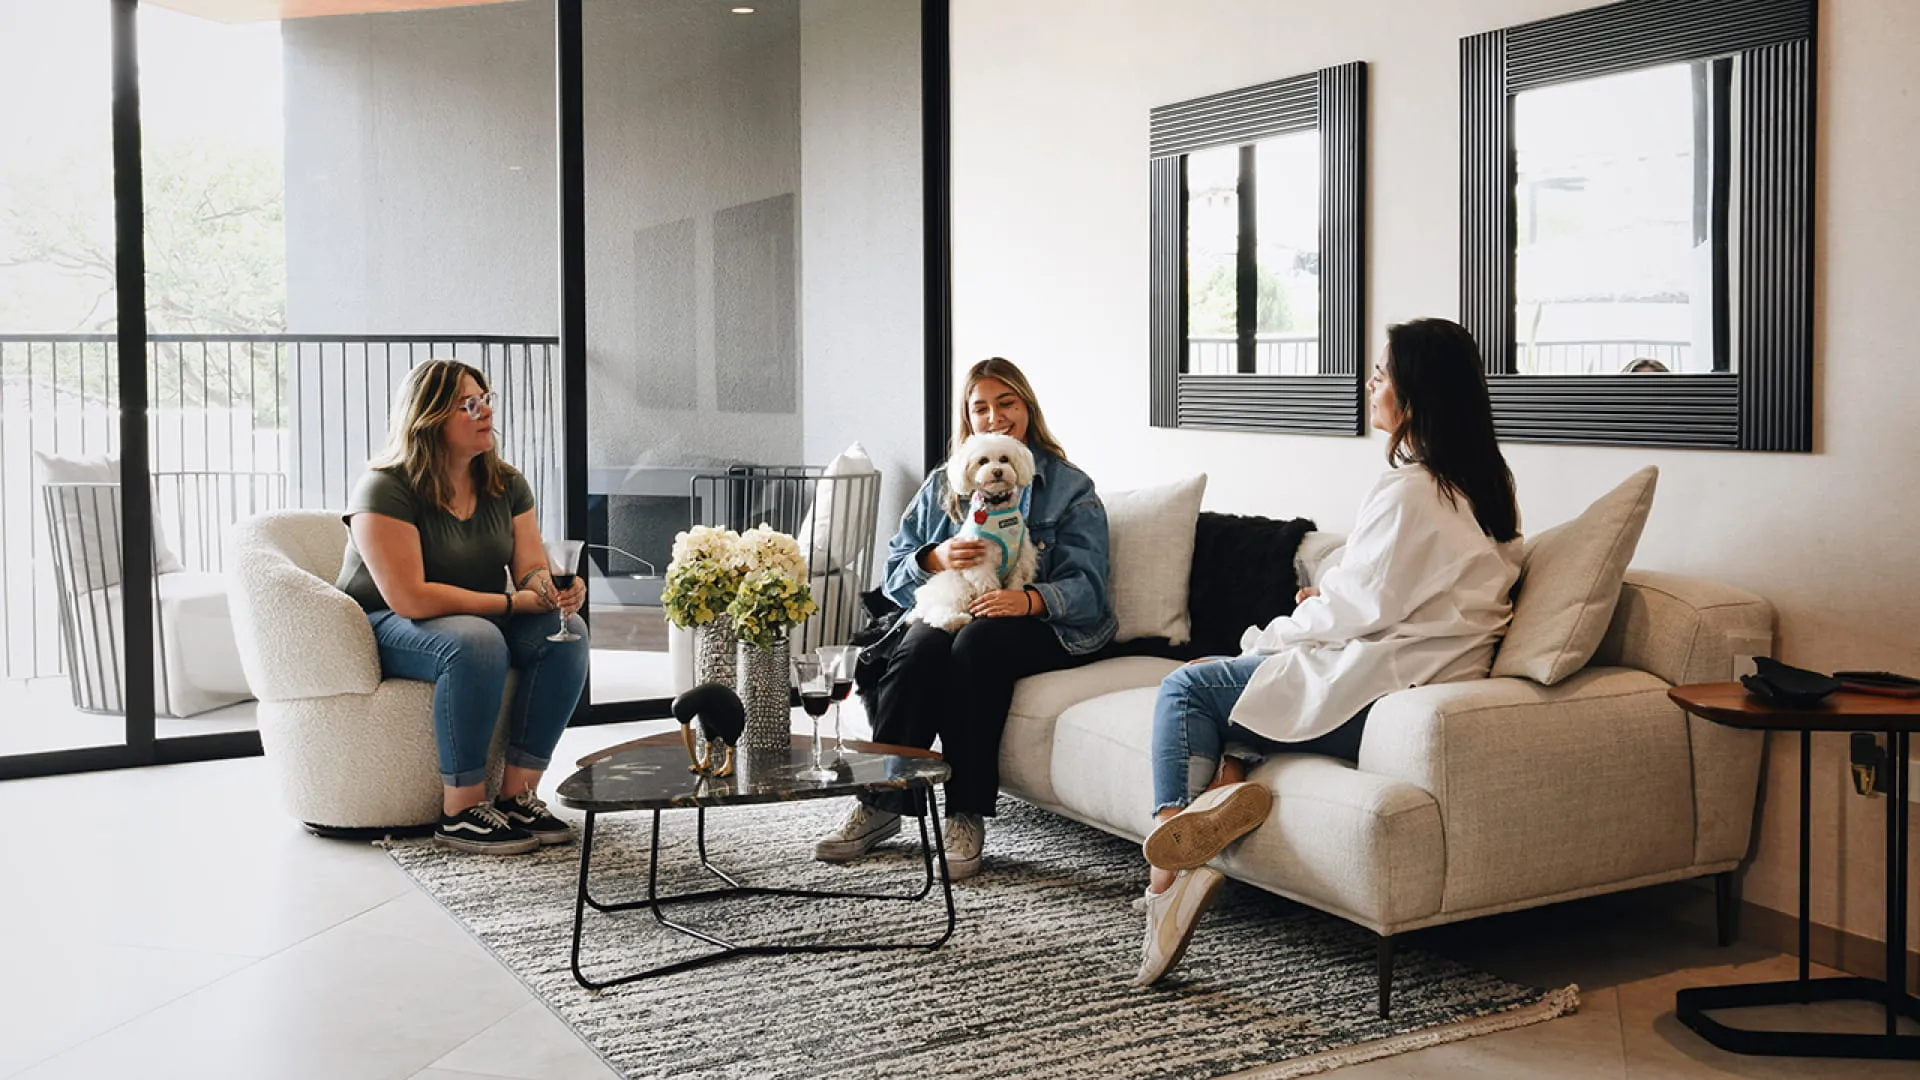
<point>473,403</point>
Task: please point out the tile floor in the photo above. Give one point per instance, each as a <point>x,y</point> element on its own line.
<point>170,922</point>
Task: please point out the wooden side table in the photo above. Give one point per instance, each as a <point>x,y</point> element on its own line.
<point>1899,718</point>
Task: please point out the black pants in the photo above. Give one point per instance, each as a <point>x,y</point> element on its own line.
<point>957,687</point>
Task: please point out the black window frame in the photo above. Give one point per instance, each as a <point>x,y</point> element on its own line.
<point>1766,403</point>
<point>1332,101</point>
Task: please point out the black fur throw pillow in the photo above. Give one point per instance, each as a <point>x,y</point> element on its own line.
<point>1242,576</point>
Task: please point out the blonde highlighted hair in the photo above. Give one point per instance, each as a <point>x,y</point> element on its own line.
<point>428,398</point>
<point>1038,434</point>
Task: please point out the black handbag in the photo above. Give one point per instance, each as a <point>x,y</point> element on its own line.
<point>877,639</point>
<point>1784,684</point>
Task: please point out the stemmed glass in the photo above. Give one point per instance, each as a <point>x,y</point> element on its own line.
<point>563,560</point>
<point>837,661</point>
<point>814,697</point>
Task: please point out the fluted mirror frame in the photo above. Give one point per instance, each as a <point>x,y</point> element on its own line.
<point>1767,402</point>
<point>1334,102</point>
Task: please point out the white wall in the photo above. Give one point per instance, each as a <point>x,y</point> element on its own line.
<point>1050,107</point>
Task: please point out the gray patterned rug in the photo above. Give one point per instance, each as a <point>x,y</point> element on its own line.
<point>1033,983</point>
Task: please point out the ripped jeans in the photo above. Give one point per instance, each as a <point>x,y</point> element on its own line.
<point>1193,729</point>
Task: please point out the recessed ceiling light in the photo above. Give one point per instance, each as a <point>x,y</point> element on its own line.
<point>743,11</point>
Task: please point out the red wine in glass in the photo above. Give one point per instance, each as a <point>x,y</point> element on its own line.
<point>815,701</point>
<point>563,582</point>
<point>841,688</point>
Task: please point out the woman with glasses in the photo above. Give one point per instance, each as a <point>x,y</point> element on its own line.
<point>445,557</point>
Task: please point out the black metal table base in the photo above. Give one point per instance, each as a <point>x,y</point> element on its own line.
<point>1690,1006</point>
<point>932,848</point>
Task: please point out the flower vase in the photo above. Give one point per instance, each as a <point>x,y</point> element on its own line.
<point>714,649</point>
<point>763,685</point>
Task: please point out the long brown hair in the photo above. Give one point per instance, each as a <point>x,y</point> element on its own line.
<point>1446,420</point>
<point>429,396</point>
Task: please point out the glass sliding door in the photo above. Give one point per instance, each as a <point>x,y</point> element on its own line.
<point>61,623</point>
<point>756,231</point>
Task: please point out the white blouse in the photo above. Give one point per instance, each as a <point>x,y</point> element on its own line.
<point>1420,595</point>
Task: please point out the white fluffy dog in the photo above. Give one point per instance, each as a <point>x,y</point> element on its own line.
<point>985,484</point>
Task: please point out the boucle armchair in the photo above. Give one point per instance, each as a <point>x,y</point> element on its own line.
<point>348,749</point>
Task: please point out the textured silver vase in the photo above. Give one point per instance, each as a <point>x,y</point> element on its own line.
<point>713,651</point>
<point>763,688</point>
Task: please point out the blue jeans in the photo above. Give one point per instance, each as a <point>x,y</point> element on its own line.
<point>1192,728</point>
<point>466,658</point>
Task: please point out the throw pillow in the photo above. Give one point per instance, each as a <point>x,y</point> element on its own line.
<point>1243,575</point>
<point>1149,555</point>
<point>830,536</point>
<point>89,525</point>
<point>1570,580</point>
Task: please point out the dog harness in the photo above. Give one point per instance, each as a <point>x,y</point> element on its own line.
<point>1004,526</point>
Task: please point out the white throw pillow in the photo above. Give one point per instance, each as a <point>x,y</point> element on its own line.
<point>91,528</point>
<point>829,537</point>
<point>1150,555</point>
<point>1570,582</point>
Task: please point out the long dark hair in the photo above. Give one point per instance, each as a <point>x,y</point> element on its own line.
<point>1447,421</point>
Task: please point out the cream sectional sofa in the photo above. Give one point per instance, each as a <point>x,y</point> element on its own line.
<point>1469,798</point>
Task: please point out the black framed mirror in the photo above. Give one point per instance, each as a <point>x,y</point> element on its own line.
<point>1636,216</point>
<point>1258,292</point>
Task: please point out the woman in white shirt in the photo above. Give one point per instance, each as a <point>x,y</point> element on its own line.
<point>1419,595</point>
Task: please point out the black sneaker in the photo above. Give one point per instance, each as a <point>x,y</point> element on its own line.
<point>527,811</point>
<point>484,829</point>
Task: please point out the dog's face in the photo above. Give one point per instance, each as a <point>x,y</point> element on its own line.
<point>993,464</point>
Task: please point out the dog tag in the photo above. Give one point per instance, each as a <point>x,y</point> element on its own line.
<point>979,517</point>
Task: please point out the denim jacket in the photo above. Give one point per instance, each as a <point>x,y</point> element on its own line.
<point>1068,526</point>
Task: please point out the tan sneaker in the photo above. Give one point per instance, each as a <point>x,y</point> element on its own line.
<point>1171,918</point>
<point>966,834</point>
<point>1204,829</point>
<point>857,835</point>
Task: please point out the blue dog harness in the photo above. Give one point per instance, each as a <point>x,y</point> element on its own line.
<point>1003,526</point>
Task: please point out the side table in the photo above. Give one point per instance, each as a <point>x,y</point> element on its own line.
<point>1899,718</point>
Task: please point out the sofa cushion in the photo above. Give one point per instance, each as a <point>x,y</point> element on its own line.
<point>1569,583</point>
<point>1242,575</point>
<point>1150,554</point>
<point>831,535</point>
<point>90,529</point>
<point>1026,749</point>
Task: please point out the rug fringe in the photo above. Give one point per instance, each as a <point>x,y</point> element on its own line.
<point>1557,1003</point>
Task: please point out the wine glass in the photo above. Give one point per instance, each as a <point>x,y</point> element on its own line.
<point>836,663</point>
<point>563,560</point>
<point>814,697</point>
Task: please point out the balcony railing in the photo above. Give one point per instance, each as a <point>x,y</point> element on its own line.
<point>1599,357</point>
<point>1273,354</point>
<point>308,407</point>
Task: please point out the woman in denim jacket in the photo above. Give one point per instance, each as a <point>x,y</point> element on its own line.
<point>957,686</point>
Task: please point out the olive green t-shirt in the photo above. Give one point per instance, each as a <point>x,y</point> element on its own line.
<point>472,554</point>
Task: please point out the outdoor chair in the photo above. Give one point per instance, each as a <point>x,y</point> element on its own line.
<point>196,665</point>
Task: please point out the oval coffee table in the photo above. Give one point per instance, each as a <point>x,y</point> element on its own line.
<point>651,774</point>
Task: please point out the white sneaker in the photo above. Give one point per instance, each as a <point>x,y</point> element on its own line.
<point>864,828</point>
<point>1217,818</point>
<point>966,835</point>
<point>1171,917</point>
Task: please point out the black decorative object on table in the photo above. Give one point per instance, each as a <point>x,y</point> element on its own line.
<point>722,718</point>
<point>1784,684</point>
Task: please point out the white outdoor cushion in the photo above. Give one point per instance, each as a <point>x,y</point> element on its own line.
<point>830,535</point>
<point>94,524</point>
<point>199,661</point>
<point>1569,583</point>
<point>1150,555</point>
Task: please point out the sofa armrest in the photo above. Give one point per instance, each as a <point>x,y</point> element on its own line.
<point>1543,789</point>
<point>1680,628</point>
<point>299,637</point>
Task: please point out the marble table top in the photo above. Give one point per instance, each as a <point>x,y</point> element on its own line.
<point>652,774</point>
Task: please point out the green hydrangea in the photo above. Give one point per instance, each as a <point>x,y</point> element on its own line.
<point>766,603</point>
<point>704,575</point>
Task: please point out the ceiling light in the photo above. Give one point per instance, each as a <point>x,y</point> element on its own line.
<point>743,11</point>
